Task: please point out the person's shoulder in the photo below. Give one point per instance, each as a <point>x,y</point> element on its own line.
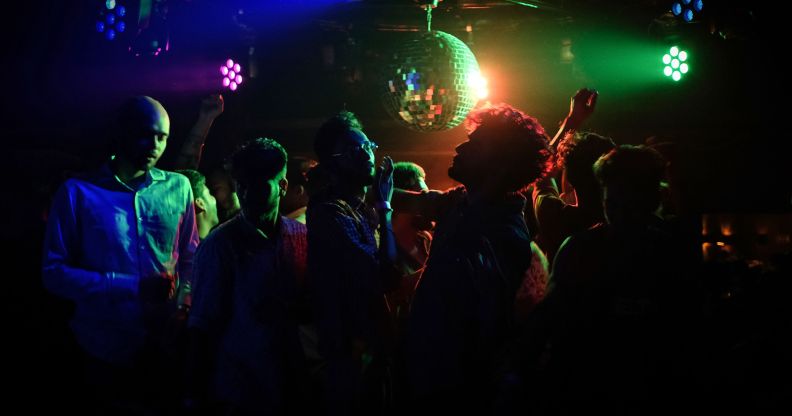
<point>330,207</point>
<point>591,237</point>
<point>293,227</point>
<point>450,196</point>
<point>223,233</point>
<point>74,182</point>
<point>164,175</point>
<point>455,192</point>
<point>94,176</point>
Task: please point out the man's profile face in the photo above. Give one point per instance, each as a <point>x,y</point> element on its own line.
<point>472,158</point>
<point>354,156</point>
<point>210,205</point>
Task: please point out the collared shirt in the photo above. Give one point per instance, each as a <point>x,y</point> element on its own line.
<point>102,238</point>
<point>248,297</point>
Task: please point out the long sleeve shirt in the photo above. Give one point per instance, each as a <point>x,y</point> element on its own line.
<point>102,238</point>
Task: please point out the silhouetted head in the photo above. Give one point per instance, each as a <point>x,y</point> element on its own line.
<point>630,177</point>
<point>577,154</point>
<point>506,150</point>
<point>205,202</point>
<point>410,176</point>
<point>344,150</point>
<point>297,174</point>
<point>259,170</point>
<point>221,186</point>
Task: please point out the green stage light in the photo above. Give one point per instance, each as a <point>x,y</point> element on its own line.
<point>675,63</point>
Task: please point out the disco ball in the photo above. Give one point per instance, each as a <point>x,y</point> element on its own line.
<point>431,82</point>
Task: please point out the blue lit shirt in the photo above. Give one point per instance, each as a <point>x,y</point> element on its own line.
<point>102,238</point>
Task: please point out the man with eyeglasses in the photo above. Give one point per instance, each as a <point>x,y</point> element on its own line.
<point>349,271</point>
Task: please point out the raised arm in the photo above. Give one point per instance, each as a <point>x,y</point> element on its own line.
<point>581,107</point>
<point>383,193</point>
<point>190,152</point>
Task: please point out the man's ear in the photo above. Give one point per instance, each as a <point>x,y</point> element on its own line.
<point>200,205</point>
<point>283,184</point>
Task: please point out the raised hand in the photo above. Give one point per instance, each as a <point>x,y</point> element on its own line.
<point>212,106</point>
<point>383,181</point>
<point>582,105</point>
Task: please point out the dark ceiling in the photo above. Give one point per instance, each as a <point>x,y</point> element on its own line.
<point>314,57</point>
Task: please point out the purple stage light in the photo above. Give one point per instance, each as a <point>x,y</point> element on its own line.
<point>232,74</point>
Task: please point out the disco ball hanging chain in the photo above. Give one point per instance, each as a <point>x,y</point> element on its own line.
<point>429,6</point>
<point>430,82</point>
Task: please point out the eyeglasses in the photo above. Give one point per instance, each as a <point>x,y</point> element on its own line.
<point>367,146</point>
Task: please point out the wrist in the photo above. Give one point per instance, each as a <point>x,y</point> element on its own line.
<point>572,122</point>
<point>383,206</point>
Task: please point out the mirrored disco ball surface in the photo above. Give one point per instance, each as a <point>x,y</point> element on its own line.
<point>429,83</point>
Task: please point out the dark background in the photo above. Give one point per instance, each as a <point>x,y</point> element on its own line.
<point>63,82</point>
<point>66,80</point>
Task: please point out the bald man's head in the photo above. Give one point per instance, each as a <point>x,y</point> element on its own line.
<point>144,127</point>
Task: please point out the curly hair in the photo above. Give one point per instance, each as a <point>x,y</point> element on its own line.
<point>332,129</point>
<point>577,154</point>
<point>520,140</point>
<point>257,159</point>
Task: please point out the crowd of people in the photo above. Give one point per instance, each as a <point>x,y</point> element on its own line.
<point>344,286</point>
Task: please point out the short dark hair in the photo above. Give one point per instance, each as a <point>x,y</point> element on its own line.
<point>521,140</point>
<point>256,159</point>
<point>635,171</point>
<point>331,131</point>
<point>197,181</point>
<point>406,175</point>
<point>577,154</point>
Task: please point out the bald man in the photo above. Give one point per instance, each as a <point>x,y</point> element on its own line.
<point>120,244</point>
